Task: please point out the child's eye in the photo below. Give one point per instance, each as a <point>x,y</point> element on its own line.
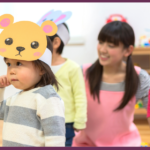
<point>19,64</point>
<point>8,64</point>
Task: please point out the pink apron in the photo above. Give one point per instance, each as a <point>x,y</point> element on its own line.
<point>106,127</point>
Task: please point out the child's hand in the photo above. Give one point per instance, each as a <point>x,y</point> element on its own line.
<point>77,130</point>
<point>4,81</point>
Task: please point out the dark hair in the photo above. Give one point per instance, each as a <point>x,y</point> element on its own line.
<point>60,48</point>
<point>48,77</point>
<point>115,32</point>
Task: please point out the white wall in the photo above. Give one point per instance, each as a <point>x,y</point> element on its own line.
<point>86,22</point>
<point>94,17</point>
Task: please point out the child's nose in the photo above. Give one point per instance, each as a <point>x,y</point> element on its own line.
<point>12,71</point>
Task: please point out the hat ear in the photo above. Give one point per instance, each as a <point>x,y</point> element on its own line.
<point>63,17</point>
<point>6,20</point>
<point>47,16</point>
<point>49,27</point>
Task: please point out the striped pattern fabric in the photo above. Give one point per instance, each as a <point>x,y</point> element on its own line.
<point>33,118</point>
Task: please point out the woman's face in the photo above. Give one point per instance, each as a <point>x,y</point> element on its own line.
<point>110,54</point>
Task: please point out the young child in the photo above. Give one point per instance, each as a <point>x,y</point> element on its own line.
<point>34,116</point>
<point>69,75</point>
<point>113,87</point>
<point>72,91</point>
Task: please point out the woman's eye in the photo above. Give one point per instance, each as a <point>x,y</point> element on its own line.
<point>100,42</point>
<point>19,64</point>
<point>111,45</point>
<point>8,64</point>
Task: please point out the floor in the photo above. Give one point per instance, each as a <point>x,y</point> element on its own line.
<point>144,130</point>
<point>141,124</point>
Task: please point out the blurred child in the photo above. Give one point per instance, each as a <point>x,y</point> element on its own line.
<point>72,91</point>
<point>69,75</point>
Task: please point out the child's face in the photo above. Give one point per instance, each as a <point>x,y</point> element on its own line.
<point>56,43</point>
<point>22,74</point>
<point>109,54</point>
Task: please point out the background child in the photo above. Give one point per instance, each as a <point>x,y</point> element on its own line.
<point>72,91</point>
<point>69,75</point>
<point>112,88</point>
<point>34,116</point>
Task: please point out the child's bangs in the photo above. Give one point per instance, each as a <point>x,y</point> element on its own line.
<point>109,34</point>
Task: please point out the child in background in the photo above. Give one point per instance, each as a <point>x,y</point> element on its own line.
<point>112,88</point>
<point>34,116</point>
<point>72,92</point>
<point>69,75</point>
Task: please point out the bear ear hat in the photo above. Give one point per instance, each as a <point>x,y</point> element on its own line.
<point>6,20</point>
<point>47,28</point>
<point>58,18</point>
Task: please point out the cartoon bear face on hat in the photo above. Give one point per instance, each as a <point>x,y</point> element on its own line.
<point>24,40</point>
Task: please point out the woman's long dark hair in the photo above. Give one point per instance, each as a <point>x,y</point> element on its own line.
<point>115,32</point>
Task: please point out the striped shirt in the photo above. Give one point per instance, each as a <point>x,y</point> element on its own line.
<point>33,118</point>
